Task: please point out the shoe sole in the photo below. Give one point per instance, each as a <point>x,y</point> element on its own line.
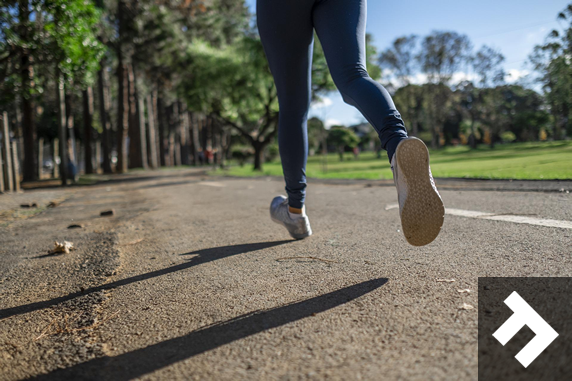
<point>295,236</point>
<point>423,211</point>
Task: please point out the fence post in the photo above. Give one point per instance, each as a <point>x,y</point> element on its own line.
<point>15,166</point>
<point>7,159</point>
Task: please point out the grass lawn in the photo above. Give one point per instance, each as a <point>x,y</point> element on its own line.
<point>534,161</point>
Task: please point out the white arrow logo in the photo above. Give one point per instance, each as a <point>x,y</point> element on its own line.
<point>523,315</point>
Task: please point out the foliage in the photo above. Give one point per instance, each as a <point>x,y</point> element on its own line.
<point>533,161</point>
<point>552,61</point>
<point>317,133</point>
<point>341,138</point>
<point>77,51</point>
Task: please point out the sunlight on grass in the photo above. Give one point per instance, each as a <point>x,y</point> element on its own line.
<point>533,161</point>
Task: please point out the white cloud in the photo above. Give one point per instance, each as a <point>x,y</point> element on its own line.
<point>515,74</point>
<point>461,76</point>
<point>420,78</point>
<point>324,102</point>
<point>331,122</point>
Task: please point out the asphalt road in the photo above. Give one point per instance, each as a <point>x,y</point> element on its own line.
<point>190,279</point>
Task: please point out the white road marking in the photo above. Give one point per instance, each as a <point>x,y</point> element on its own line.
<point>391,206</point>
<point>502,217</point>
<point>212,184</point>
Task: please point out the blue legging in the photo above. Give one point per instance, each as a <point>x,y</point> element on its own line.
<point>286,29</point>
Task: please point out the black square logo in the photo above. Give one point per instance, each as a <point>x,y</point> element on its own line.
<point>525,329</point>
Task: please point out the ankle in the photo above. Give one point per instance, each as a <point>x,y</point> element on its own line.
<point>294,210</point>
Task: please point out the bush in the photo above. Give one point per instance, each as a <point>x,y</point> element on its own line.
<point>508,137</point>
<point>241,154</point>
<point>272,152</point>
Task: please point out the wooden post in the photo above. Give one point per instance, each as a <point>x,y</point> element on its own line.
<point>7,157</point>
<point>15,167</point>
<point>40,157</point>
<point>55,156</point>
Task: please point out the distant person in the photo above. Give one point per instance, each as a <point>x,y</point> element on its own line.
<point>287,30</point>
<point>356,152</point>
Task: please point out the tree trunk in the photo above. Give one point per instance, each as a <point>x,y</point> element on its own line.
<point>196,141</point>
<point>122,116</point>
<point>62,130</point>
<point>7,158</point>
<point>185,130</point>
<point>40,157</point>
<point>27,78</point>
<point>176,132</point>
<point>87,95</point>
<point>15,167</point>
<point>142,132</point>
<point>97,167</point>
<point>258,155</point>
<point>136,157</point>
<point>55,157</point>
<point>225,145</point>
<point>122,94</point>
<point>161,128</point>
<point>152,133</point>
<point>28,125</point>
<point>70,128</point>
<point>104,118</point>
<point>1,172</point>
<point>171,143</point>
<point>473,137</point>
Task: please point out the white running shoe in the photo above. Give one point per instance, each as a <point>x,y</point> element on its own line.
<point>420,205</point>
<point>298,227</point>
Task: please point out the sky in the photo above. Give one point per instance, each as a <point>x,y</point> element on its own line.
<point>512,26</point>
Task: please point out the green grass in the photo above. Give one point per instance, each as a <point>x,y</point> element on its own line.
<point>532,161</point>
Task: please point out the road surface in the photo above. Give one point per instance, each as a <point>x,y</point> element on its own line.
<point>190,279</point>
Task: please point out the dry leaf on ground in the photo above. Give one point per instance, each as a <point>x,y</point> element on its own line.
<point>62,247</point>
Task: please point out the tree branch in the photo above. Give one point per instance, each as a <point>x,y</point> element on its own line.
<point>272,134</point>
<point>232,124</point>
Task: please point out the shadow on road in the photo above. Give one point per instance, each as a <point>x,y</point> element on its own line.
<point>202,256</point>
<point>142,361</point>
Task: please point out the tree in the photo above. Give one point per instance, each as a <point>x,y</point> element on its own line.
<point>234,85</point>
<point>441,56</point>
<point>44,34</point>
<point>552,61</point>
<point>342,137</point>
<point>317,134</point>
<point>399,59</point>
<point>19,44</point>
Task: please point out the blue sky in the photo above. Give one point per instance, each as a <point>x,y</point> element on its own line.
<point>512,26</point>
